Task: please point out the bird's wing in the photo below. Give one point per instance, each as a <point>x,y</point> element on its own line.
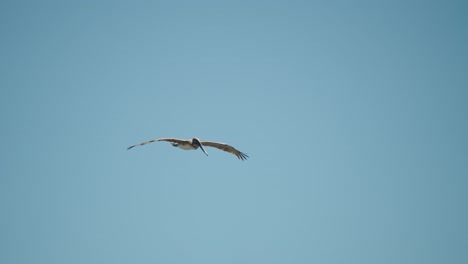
<point>225,147</point>
<point>175,140</point>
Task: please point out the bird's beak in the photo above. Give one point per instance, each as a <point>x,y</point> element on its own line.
<point>203,149</point>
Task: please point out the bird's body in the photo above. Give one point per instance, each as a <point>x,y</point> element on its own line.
<point>184,146</point>
<point>195,143</point>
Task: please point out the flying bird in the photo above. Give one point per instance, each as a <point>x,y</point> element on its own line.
<point>195,143</point>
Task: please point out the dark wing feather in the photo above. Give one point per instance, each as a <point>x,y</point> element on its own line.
<point>225,147</point>
<point>175,140</point>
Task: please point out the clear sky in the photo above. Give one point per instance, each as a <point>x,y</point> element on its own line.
<point>353,113</point>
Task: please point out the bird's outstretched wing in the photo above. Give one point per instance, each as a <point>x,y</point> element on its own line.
<point>175,140</point>
<point>225,147</point>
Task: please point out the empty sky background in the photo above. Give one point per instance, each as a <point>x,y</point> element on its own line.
<point>353,113</point>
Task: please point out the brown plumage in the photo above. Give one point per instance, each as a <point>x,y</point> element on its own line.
<point>195,143</point>
<point>225,147</point>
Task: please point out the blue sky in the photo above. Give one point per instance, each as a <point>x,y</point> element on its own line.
<point>353,114</point>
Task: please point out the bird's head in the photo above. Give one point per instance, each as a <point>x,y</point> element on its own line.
<point>196,143</point>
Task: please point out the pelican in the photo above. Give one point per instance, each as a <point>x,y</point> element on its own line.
<point>195,143</point>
